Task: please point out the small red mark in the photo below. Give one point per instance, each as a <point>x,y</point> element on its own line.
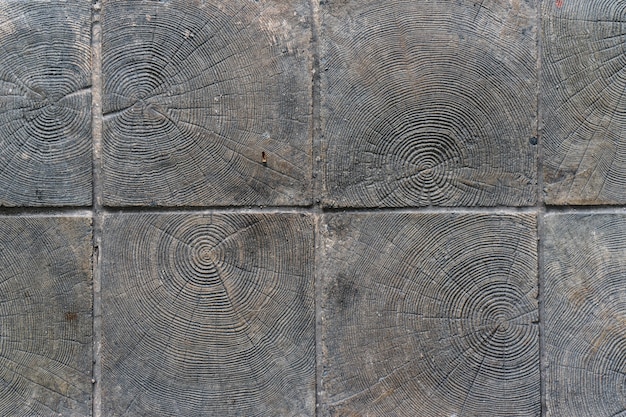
<point>559,3</point>
<point>71,316</point>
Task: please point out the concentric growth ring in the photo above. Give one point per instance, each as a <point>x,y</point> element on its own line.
<point>428,103</point>
<point>219,305</point>
<point>583,83</point>
<point>205,104</point>
<point>585,302</point>
<point>45,316</point>
<point>432,315</point>
<point>45,103</point>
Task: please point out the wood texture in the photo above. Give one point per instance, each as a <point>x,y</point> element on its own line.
<point>430,315</point>
<point>208,315</point>
<point>45,317</point>
<point>206,103</point>
<point>429,103</point>
<point>585,303</point>
<point>583,83</point>
<point>45,103</point>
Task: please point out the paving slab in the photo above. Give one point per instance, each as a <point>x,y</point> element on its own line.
<point>429,103</point>
<point>45,103</point>
<point>430,315</point>
<point>582,87</point>
<point>585,315</point>
<point>206,103</point>
<point>45,305</point>
<point>208,315</point>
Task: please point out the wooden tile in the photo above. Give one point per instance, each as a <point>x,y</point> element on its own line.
<point>46,316</point>
<point>208,315</point>
<point>45,103</point>
<point>429,103</point>
<point>585,319</point>
<point>430,315</point>
<point>206,104</point>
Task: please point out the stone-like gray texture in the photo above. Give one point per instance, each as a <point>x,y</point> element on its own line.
<point>430,315</point>
<point>421,298</point>
<point>206,103</point>
<point>583,102</point>
<point>45,317</point>
<point>585,320</point>
<point>429,103</point>
<point>45,103</point>
<point>208,315</point>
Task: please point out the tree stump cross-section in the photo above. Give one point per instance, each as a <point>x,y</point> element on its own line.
<point>585,303</point>
<point>45,316</point>
<point>208,315</point>
<point>45,103</point>
<point>429,103</point>
<point>206,103</point>
<point>430,315</point>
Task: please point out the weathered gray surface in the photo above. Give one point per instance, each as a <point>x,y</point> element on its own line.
<point>429,103</point>
<point>46,323</point>
<point>206,103</point>
<point>45,103</point>
<point>430,315</point>
<point>583,98</point>
<point>208,315</point>
<point>585,303</point>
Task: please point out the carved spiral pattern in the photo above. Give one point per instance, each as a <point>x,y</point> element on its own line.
<point>45,310</point>
<point>429,103</point>
<point>583,83</point>
<point>45,103</point>
<point>586,315</point>
<point>208,315</point>
<point>431,315</point>
<point>206,104</point>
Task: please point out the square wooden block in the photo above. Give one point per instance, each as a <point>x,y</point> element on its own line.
<point>583,102</point>
<point>430,315</point>
<point>46,316</point>
<point>585,315</point>
<point>206,104</point>
<point>429,103</point>
<point>208,315</point>
<point>45,103</point>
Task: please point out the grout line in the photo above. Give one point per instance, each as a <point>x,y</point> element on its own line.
<point>317,186</point>
<point>585,209</point>
<point>436,210</point>
<point>541,313</point>
<point>72,211</point>
<point>541,211</point>
<point>208,209</point>
<point>97,205</point>
<point>316,99</point>
<point>45,212</point>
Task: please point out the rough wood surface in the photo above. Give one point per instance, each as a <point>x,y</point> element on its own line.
<point>208,315</point>
<point>583,84</point>
<point>45,317</point>
<point>206,103</point>
<point>45,103</point>
<point>429,103</point>
<point>430,315</point>
<point>585,303</point>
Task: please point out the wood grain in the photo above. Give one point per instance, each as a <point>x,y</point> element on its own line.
<point>430,315</point>
<point>429,103</point>
<point>583,83</point>
<point>208,315</point>
<point>45,317</point>
<point>585,303</point>
<point>45,103</point>
<point>206,103</point>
